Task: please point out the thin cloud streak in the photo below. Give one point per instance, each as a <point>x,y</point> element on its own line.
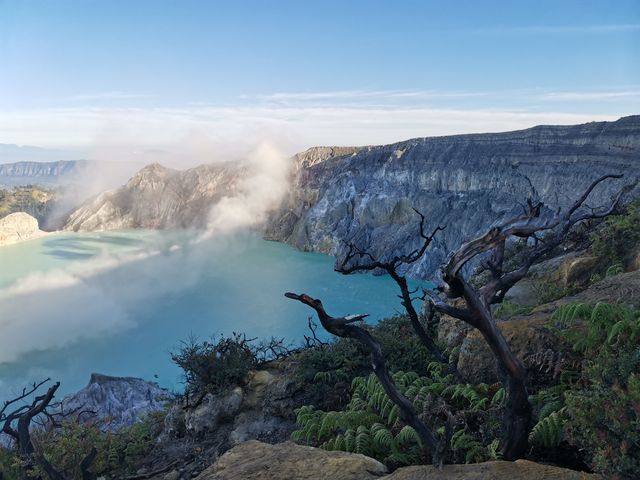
<point>108,96</point>
<point>356,95</point>
<point>172,129</point>
<point>560,29</point>
<point>590,96</point>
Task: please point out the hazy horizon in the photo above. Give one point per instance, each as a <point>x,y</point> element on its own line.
<point>155,79</point>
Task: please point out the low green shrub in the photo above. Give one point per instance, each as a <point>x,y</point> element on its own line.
<point>598,411</point>
<point>619,237</point>
<point>118,453</point>
<point>212,366</point>
<point>9,465</point>
<point>510,309</point>
<point>613,270</point>
<point>549,290</point>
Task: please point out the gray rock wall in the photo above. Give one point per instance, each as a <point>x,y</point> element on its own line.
<point>466,183</point>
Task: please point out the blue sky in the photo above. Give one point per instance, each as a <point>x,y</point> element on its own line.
<point>140,74</point>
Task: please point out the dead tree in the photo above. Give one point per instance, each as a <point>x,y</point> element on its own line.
<point>18,415</point>
<point>344,327</point>
<point>17,423</point>
<point>358,260</point>
<point>479,299</point>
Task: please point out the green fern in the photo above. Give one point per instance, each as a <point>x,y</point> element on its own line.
<point>604,324</point>
<point>547,432</point>
<point>499,397</point>
<point>466,445</point>
<point>615,269</point>
<point>370,424</point>
<point>407,435</point>
<point>363,440</point>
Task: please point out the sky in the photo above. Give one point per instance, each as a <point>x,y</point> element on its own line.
<point>120,79</point>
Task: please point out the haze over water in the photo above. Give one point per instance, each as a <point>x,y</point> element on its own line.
<point>118,302</point>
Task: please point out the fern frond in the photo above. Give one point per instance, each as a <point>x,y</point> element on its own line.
<point>407,435</point>
<point>383,438</point>
<point>498,397</point>
<point>548,431</point>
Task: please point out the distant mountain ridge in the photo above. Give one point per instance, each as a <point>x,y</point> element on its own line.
<point>367,194</point>
<point>61,172</point>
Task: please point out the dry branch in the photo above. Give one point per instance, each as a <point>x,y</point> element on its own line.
<point>343,327</point>
<point>359,260</point>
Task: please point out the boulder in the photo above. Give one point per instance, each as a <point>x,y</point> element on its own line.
<point>211,411</point>
<point>451,331</point>
<point>634,263</point>
<point>527,336</point>
<point>288,461</point>
<point>578,271</point>
<point>497,470</point>
<point>255,460</point>
<point>267,409</point>
<point>18,227</point>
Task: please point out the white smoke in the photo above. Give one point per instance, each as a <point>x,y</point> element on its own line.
<point>258,193</point>
<point>96,297</point>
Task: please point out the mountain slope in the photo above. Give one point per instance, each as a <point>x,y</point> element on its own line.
<point>463,182</point>
<point>121,400</point>
<point>367,194</point>
<point>159,197</point>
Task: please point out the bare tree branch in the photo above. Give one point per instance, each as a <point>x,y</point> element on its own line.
<point>343,327</point>
<point>358,260</point>
<point>517,419</point>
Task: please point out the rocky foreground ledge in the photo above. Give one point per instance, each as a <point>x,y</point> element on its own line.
<point>255,460</point>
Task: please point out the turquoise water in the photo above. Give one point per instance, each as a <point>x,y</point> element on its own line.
<point>118,302</point>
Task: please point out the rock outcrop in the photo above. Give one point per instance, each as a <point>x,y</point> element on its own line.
<point>262,408</point>
<point>159,197</point>
<point>530,336</point>
<point>121,401</point>
<point>465,182</point>
<point>18,227</point>
<point>520,470</point>
<point>289,461</point>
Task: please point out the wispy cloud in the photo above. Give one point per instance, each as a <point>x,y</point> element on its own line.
<point>180,130</point>
<point>349,97</point>
<point>561,29</point>
<point>201,132</point>
<point>580,96</point>
<point>107,96</point>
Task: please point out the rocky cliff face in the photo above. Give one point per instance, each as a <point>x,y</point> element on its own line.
<point>159,197</point>
<point>464,182</point>
<point>121,400</point>
<point>367,194</point>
